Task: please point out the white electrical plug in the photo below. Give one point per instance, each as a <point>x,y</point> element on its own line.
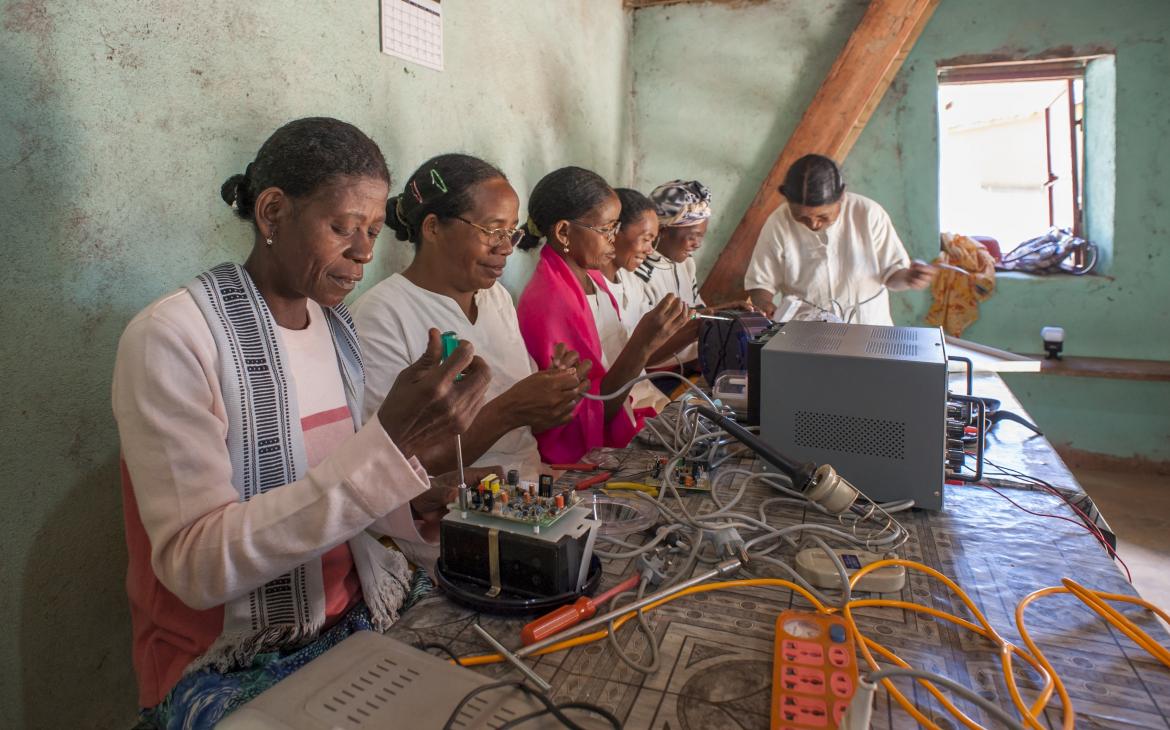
<point>857,715</point>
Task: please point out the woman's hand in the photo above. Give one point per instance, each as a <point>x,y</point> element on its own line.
<point>918,275</point>
<point>427,403</point>
<point>659,324</point>
<point>762,300</point>
<point>548,398</point>
<point>431,505</point>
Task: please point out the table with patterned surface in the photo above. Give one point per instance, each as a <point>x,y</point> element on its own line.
<point>717,647</point>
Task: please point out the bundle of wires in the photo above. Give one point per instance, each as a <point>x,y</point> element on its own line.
<point>1030,713</point>
<point>721,529</point>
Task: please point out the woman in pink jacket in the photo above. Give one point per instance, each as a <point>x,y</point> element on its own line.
<point>575,213</point>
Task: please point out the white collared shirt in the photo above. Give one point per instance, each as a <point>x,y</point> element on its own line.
<point>837,268</point>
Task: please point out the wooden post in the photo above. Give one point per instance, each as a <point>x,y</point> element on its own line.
<point>831,124</point>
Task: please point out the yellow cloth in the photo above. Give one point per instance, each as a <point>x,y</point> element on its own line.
<point>956,295</point>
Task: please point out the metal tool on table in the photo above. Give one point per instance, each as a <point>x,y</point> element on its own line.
<point>725,569</point>
<point>572,614</point>
<point>585,466</point>
<point>646,489</point>
<point>514,660</point>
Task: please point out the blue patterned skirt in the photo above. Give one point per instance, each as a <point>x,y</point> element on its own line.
<point>203,698</point>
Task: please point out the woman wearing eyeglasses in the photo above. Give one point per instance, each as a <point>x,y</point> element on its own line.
<point>461,214</point>
<point>577,215</point>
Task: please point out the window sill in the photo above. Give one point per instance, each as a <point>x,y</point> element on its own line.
<point>1106,367</point>
<point>1022,276</point>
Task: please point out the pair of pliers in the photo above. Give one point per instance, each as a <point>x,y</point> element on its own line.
<point>586,467</point>
<point>647,489</point>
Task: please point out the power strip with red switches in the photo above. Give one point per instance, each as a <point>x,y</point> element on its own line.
<point>814,671</point>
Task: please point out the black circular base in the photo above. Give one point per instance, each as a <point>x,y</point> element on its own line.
<point>473,595</point>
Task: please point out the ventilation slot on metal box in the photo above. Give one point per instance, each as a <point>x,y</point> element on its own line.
<point>894,333</point>
<point>820,343</point>
<point>891,348</point>
<point>866,436</point>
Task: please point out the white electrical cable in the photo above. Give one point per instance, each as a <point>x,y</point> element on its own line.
<point>687,435</point>
<point>966,692</point>
<point>618,393</point>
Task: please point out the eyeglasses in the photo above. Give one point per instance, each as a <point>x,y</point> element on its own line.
<point>610,232</point>
<point>496,236</point>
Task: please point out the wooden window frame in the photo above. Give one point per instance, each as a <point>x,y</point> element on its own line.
<point>1069,70</point>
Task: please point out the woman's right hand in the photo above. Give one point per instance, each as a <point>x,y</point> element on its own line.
<point>427,403</point>
<point>659,324</point>
<point>547,399</point>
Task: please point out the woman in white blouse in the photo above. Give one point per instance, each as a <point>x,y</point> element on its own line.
<point>834,250</point>
<point>461,214</point>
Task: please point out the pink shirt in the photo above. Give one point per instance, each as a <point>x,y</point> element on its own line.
<point>192,544</point>
<point>553,309</point>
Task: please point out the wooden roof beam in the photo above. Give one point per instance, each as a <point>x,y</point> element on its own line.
<point>840,110</point>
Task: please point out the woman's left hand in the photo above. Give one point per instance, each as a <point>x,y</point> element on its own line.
<point>431,505</point>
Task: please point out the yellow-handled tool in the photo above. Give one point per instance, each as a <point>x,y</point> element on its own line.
<point>636,486</point>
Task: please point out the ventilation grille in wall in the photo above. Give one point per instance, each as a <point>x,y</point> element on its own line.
<point>850,434</point>
<point>366,698</point>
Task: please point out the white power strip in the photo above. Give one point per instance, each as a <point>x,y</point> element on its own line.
<point>817,568</point>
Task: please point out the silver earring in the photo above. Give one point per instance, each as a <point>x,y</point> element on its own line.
<point>566,249</point>
<point>268,241</point>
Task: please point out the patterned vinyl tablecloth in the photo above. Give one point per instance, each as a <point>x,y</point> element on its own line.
<point>717,647</point>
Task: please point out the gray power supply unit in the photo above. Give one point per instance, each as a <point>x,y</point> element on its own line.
<point>869,400</point>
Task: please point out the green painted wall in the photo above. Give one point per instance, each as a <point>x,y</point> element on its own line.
<point>121,119</point>
<point>119,122</point>
<point>718,89</point>
<point>721,112</point>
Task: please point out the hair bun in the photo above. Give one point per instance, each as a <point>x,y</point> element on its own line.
<point>395,220</point>
<point>229,191</point>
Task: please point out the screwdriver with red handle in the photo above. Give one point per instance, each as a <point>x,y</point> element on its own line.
<point>572,614</point>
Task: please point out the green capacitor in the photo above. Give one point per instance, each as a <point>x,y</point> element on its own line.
<point>450,342</point>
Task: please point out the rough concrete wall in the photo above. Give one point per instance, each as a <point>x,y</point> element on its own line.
<point>718,90</point>
<point>120,120</point>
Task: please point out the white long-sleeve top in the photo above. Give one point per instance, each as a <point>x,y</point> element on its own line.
<point>847,262</point>
<point>193,545</point>
<point>661,276</point>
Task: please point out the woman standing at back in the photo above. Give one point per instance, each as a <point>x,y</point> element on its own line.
<point>576,214</point>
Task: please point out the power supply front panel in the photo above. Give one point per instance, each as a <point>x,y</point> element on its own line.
<point>869,400</point>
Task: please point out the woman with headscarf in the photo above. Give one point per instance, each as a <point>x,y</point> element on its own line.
<point>249,481</point>
<point>836,251</point>
<point>684,211</point>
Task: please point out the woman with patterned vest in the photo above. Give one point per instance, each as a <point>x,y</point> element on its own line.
<point>250,486</point>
